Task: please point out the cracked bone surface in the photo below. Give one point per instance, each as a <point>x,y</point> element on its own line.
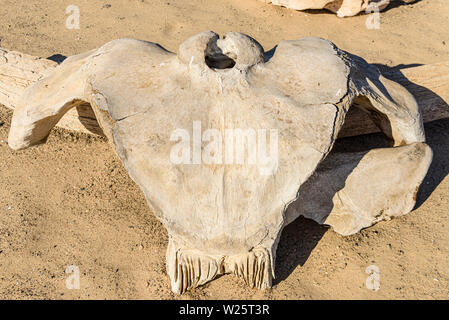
<point>157,107</point>
<point>343,8</point>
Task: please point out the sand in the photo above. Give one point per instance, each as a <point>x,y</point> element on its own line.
<point>70,202</point>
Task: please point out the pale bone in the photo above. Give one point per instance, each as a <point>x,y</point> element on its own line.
<point>351,191</point>
<point>18,71</point>
<point>228,218</point>
<point>429,84</point>
<point>343,8</point>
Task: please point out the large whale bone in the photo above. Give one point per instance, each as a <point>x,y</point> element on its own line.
<point>222,216</point>
<point>343,8</point>
<point>429,84</point>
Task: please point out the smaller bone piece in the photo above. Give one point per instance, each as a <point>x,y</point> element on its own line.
<point>19,71</point>
<point>343,8</point>
<point>227,216</point>
<point>350,191</point>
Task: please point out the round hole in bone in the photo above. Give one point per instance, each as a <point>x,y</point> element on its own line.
<point>215,58</point>
<point>219,61</point>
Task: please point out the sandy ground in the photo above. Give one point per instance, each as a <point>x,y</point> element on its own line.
<point>70,202</point>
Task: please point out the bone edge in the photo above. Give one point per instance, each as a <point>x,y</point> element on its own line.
<point>433,100</point>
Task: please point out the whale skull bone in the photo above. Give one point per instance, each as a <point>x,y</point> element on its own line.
<point>227,217</point>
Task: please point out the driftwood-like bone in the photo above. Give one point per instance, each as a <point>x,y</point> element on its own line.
<point>169,117</point>
<point>343,8</point>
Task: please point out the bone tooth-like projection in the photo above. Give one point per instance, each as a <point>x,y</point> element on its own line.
<point>181,123</point>
<point>343,8</point>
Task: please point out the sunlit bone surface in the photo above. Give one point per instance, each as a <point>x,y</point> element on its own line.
<point>343,8</point>
<point>158,107</point>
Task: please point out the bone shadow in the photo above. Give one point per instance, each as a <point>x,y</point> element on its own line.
<point>397,3</point>
<point>438,139</point>
<point>297,242</point>
<point>300,237</point>
<point>58,58</point>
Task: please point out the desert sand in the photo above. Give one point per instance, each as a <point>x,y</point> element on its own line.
<point>71,202</point>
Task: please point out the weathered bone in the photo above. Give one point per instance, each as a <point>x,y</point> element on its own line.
<point>429,84</point>
<point>343,8</point>
<point>19,71</point>
<point>353,191</point>
<point>226,217</point>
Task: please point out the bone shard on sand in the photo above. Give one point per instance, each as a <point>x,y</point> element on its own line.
<point>343,8</point>
<point>227,217</point>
